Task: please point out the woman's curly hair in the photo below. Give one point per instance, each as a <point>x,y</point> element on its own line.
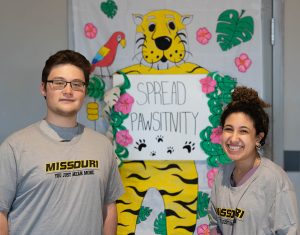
<point>246,100</point>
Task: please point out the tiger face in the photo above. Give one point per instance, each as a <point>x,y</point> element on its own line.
<point>161,39</point>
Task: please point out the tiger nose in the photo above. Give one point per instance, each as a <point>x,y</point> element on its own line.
<point>163,43</point>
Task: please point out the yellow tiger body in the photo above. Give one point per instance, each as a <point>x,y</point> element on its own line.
<point>177,182</point>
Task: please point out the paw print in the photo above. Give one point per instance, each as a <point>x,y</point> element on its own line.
<point>160,138</point>
<point>153,153</point>
<point>170,150</point>
<point>140,145</point>
<point>189,146</point>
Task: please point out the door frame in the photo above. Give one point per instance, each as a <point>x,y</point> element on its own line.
<point>278,83</point>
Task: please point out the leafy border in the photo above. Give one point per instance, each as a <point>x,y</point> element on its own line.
<point>117,119</point>
<point>217,99</point>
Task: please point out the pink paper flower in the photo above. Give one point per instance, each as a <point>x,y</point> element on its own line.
<point>215,136</point>
<point>124,103</point>
<point>124,138</point>
<point>211,174</point>
<point>203,36</point>
<point>90,30</point>
<point>203,229</point>
<point>243,62</point>
<point>208,85</point>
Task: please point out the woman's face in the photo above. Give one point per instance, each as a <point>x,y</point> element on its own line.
<point>239,137</point>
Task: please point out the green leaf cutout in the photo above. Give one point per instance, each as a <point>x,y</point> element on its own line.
<point>144,214</point>
<point>160,224</point>
<point>233,29</point>
<point>96,88</point>
<point>202,204</point>
<point>109,8</point>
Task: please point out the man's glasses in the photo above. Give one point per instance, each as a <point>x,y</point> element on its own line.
<point>76,85</point>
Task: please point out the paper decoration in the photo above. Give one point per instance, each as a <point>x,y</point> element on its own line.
<point>213,34</point>
<point>166,117</point>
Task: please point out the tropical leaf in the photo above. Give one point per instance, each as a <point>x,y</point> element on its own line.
<point>96,88</point>
<point>109,8</point>
<point>126,85</point>
<point>217,99</point>
<point>233,29</point>
<point>144,214</point>
<point>202,205</point>
<point>160,224</point>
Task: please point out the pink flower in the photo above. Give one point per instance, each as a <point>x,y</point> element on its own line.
<point>124,103</point>
<point>124,138</point>
<point>211,174</point>
<point>90,30</point>
<point>203,36</point>
<point>215,136</point>
<point>243,62</point>
<point>208,85</point>
<point>203,229</point>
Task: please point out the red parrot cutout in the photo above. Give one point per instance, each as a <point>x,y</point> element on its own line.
<point>105,56</point>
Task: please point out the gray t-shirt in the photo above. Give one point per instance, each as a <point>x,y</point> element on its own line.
<point>50,187</point>
<point>263,205</point>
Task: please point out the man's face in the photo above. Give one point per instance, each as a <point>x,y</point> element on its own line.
<point>64,102</point>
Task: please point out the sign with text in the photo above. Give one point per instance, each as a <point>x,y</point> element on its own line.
<point>167,116</point>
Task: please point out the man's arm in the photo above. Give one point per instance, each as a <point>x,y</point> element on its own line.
<point>110,218</point>
<point>3,224</point>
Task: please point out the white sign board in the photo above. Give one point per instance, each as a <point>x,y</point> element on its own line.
<point>167,116</point>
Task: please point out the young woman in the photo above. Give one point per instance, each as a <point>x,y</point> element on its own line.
<point>252,195</point>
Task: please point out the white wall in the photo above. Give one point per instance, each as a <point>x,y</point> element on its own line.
<point>30,31</point>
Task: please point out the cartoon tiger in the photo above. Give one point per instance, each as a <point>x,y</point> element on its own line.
<point>161,44</point>
<point>161,48</point>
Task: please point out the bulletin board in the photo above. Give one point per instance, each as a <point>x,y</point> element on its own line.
<point>175,63</point>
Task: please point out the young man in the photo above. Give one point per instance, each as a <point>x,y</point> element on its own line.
<point>56,176</point>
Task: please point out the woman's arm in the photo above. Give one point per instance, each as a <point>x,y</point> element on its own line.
<point>286,218</point>
<point>3,224</point>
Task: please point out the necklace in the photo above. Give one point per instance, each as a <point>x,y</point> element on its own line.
<point>237,177</point>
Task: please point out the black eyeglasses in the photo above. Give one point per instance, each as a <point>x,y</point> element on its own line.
<point>76,85</point>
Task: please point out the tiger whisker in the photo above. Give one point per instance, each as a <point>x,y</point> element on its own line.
<point>135,56</point>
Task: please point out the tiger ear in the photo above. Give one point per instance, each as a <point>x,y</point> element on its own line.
<point>186,19</point>
<point>137,18</point>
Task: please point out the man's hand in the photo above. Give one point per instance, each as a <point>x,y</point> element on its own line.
<point>110,218</point>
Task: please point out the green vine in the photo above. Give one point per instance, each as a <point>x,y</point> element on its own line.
<point>116,122</point>
<point>217,99</point>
